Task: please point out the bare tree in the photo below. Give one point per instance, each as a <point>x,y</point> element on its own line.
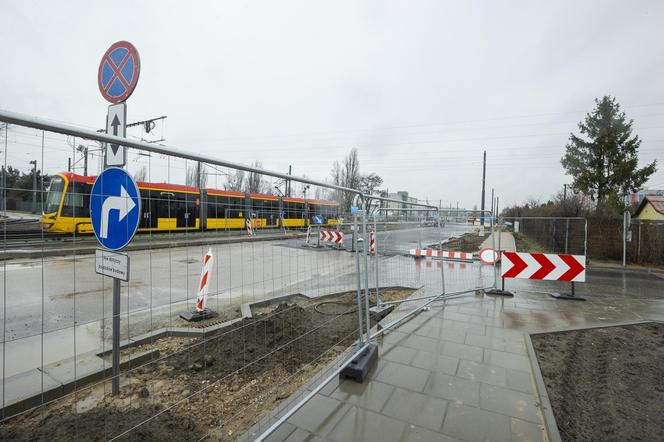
<point>196,176</point>
<point>337,179</point>
<point>346,174</point>
<point>370,183</point>
<point>255,182</point>
<point>235,181</point>
<point>351,171</point>
<point>141,174</point>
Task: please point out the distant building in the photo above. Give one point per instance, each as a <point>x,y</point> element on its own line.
<point>634,199</point>
<point>395,209</point>
<point>651,208</point>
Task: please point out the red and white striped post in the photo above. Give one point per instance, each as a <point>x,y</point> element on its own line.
<point>372,243</point>
<point>250,229</point>
<point>201,299</point>
<point>201,311</point>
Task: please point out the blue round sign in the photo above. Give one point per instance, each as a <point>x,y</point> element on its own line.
<point>318,219</point>
<point>115,207</point>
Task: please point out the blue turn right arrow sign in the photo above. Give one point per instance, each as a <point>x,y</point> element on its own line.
<point>115,207</point>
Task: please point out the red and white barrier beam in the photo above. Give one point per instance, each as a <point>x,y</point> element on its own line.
<point>464,256</point>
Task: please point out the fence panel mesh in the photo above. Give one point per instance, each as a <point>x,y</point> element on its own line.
<point>285,307</point>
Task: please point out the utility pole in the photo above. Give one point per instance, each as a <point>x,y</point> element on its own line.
<point>34,185</point>
<point>288,184</point>
<point>3,190</point>
<point>564,199</point>
<point>84,150</point>
<point>69,164</point>
<point>483,184</point>
<point>492,205</point>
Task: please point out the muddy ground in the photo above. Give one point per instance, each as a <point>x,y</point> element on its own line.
<point>217,386</point>
<point>605,384</point>
<point>468,242</point>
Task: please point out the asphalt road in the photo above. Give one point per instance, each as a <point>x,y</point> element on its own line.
<point>52,294</point>
<point>57,295</point>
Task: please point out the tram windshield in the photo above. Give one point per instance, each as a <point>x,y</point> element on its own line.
<point>54,194</point>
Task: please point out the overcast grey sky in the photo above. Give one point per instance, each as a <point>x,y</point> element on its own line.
<point>419,87</point>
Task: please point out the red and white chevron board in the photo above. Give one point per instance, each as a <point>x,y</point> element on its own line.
<point>444,254</point>
<point>332,236</point>
<point>372,243</point>
<point>551,267</point>
<point>201,299</point>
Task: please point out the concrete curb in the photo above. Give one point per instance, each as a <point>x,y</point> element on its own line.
<point>90,248</point>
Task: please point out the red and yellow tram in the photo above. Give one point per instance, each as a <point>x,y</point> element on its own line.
<point>172,207</point>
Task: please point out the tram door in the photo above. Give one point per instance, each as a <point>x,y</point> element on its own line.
<point>148,211</point>
<point>186,211</point>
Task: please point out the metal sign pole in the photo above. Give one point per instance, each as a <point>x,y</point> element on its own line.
<point>359,282</point>
<point>442,266</point>
<point>110,197</point>
<point>493,246</point>
<point>365,249</point>
<point>116,336</point>
<point>376,258</point>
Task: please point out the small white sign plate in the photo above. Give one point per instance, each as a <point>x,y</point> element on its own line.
<point>116,124</point>
<point>115,265</point>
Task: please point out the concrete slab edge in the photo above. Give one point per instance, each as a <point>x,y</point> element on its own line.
<point>68,386</point>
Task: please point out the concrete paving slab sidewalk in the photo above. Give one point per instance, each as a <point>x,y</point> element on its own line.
<point>459,372</point>
<point>499,240</point>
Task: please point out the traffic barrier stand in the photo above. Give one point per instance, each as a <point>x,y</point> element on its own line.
<point>541,266</point>
<point>442,254</point>
<point>201,312</point>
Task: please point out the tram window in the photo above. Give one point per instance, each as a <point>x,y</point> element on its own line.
<point>213,207</point>
<point>296,210</point>
<point>77,200</point>
<point>166,204</point>
<point>236,207</point>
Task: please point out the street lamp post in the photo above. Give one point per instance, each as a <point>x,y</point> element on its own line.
<point>84,150</point>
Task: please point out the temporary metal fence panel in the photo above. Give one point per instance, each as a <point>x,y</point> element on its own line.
<point>285,310</point>
<point>282,307</point>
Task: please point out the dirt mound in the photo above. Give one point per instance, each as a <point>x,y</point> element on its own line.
<point>99,424</point>
<point>219,385</point>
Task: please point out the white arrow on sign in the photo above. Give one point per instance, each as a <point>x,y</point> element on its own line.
<point>123,204</point>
